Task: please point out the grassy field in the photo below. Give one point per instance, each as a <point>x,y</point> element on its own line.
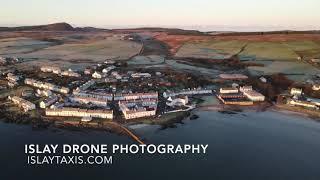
<point>94,51</point>
<point>269,51</point>
<point>289,67</point>
<point>211,49</point>
<point>306,49</point>
<point>277,56</point>
<point>69,55</point>
<point>12,46</point>
<point>252,50</point>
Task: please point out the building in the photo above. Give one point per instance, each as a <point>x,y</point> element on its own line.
<point>50,69</point>
<point>47,86</point>
<point>3,61</point>
<point>46,93</point>
<point>305,104</point>
<point>12,78</point>
<point>296,91</point>
<point>86,85</point>
<point>263,79</point>
<point>315,60</point>
<point>116,75</point>
<point>12,84</point>
<point>316,87</point>
<point>77,112</point>
<point>89,100</point>
<point>314,100</point>
<point>24,104</point>
<point>87,71</point>
<point>254,96</point>
<point>109,62</point>
<point>187,92</point>
<point>141,75</point>
<point>140,102</point>
<point>133,113</point>
<point>177,101</point>
<point>135,96</point>
<point>108,69</point>
<point>70,73</point>
<point>233,76</point>
<point>245,88</point>
<point>96,95</point>
<point>229,90</point>
<point>97,75</point>
<point>48,102</point>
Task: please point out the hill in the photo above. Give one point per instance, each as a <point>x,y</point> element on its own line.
<point>49,27</point>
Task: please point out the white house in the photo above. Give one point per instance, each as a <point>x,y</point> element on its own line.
<point>296,91</point>
<point>254,96</point>
<point>177,101</point>
<point>97,75</point>
<point>230,90</point>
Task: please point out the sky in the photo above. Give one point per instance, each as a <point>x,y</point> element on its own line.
<point>191,14</point>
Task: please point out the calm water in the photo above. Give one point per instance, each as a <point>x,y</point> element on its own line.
<point>266,145</point>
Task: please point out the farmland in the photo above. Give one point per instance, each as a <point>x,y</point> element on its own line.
<point>71,50</point>
<point>276,53</point>
<point>211,49</point>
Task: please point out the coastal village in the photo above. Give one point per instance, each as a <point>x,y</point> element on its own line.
<point>104,91</point>
<point>109,91</point>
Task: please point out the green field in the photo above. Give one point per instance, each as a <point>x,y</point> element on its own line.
<point>211,49</point>
<point>277,57</point>
<point>269,51</point>
<point>279,51</point>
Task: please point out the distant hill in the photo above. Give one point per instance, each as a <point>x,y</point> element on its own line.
<point>90,29</point>
<point>170,31</point>
<point>267,33</point>
<point>49,27</point>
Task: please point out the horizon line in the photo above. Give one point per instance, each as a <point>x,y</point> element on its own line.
<point>201,28</point>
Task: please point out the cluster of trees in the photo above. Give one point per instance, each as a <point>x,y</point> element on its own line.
<point>276,84</point>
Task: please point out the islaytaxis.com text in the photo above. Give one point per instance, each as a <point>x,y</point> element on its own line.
<point>69,160</point>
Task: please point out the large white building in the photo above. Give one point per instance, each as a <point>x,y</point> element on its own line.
<point>187,92</point>
<point>44,85</point>
<point>140,102</point>
<point>303,104</point>
<point>24,104</point>
<point>229,90</point>
<point>177,101</point>
<point>76,112</point>
<point>233,76</point>
<point>89,100</point>
<point>254,96</point>
<point>97,95</point>
<point>134,113</point>
<point>141,75</point>
<point>135,96</point>
<point>57,70</point>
